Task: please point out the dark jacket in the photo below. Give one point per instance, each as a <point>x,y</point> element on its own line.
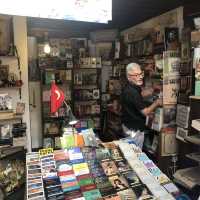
<point>132,103</point>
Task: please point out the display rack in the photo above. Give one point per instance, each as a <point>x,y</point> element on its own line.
<point>9,117</point>
<point>115,84</point>
<point>53,123</point>
<point>87,95</point>
<point>96,167</point>
<point>160,60</point>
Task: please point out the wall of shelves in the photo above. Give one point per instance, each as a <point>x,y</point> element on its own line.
<point>53,123</point>
<point>87,95</point>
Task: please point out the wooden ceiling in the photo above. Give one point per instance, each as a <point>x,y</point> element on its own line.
<point>126,13</point>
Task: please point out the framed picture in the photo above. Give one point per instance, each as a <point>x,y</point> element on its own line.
<point>33,70</point>
<point>5,35</point>
<point>4,71</point>
<point>20,108</point>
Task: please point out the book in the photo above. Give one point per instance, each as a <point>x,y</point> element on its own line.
<point>122,165</point>
<point>157,122</point>
<point>169,116</point>
<point>142,192</point>
<point>118,182</point>
<point>102,154</point>
<point>67,141</point>
<point>181,133</point>
<point>89,153</point>
<point>80,169</point>
<point>104,185</point>
<point>132,178</point>
<point>188,177</point>
<point>109,167</point>
<point>170,89</point>
<point>49,76</point>
<point>92,194</point>
<point>57,142</point>
<point>171,38</point>
<point>20,108</point>
<point>90,140</point>
<point>197,88</point>
<point>5,131</point>
<point>51,128</point>
<point>75,155</point>
<point>127,194</point>
<point>79,140</point>
<point>48,143</point>
<point>5,102</point>
<point>115,153</point>
<point>182,115</point>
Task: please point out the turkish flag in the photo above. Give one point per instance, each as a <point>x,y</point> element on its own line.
<point>57,97</point>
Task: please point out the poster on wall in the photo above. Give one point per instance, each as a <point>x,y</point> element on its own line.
<point>171,38</point>
<point>170,89</point>
<point>171,65</point>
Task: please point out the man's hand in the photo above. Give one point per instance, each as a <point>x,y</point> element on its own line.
<point>159,102</point>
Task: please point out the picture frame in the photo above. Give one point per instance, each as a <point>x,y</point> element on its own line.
<point>4,73</point>
<point>6,35</point>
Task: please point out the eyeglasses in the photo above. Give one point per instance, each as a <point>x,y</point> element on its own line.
<point>137,75</point>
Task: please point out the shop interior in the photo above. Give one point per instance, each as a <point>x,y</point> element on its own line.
<point>64,69</point>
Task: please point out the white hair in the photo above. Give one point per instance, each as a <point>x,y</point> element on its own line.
<point>130,67</point>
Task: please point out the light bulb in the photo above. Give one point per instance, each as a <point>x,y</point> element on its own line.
<point>47,48</point>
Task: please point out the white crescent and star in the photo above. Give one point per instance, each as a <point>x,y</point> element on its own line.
<point>58,94</point>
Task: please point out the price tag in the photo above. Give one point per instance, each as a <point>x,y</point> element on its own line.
<point>44,152</point>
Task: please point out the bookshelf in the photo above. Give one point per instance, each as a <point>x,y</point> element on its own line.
<point>115,84</point>
<point>87,96</point>
<point>11,126</point>
<point>53,123</point>
<point>160,60</point>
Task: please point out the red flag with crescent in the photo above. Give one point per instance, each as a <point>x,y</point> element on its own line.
<point>57,97</point>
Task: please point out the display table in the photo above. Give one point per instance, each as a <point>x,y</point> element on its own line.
<point>116,170</point>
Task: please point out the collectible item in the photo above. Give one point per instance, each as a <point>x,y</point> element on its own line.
<point>20,109</point>
<point>122,165</point>
<point>118,182</point>
<point>127,194</point>
<point>109,167</point>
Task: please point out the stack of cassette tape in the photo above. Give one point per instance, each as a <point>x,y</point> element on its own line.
<point>35,188</point>
<point>53,189</point>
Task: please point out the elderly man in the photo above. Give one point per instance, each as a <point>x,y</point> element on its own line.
<point>134,110</point>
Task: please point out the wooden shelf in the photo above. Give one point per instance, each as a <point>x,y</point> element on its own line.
<point>87,100</point>
<point>195,139</point>
<point>50,119</point>
<point>52,135</point>
<point>56,69</point>
<point>91,115</point>
<point>9,116</point>
<point>195,97</point>
<point>14,87</point>
<point>78,68</point>
<point>194,156</point>
<point>9,150</point>
<point>8,57</point>
<point>85,87</point>
<point>188,177</point>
